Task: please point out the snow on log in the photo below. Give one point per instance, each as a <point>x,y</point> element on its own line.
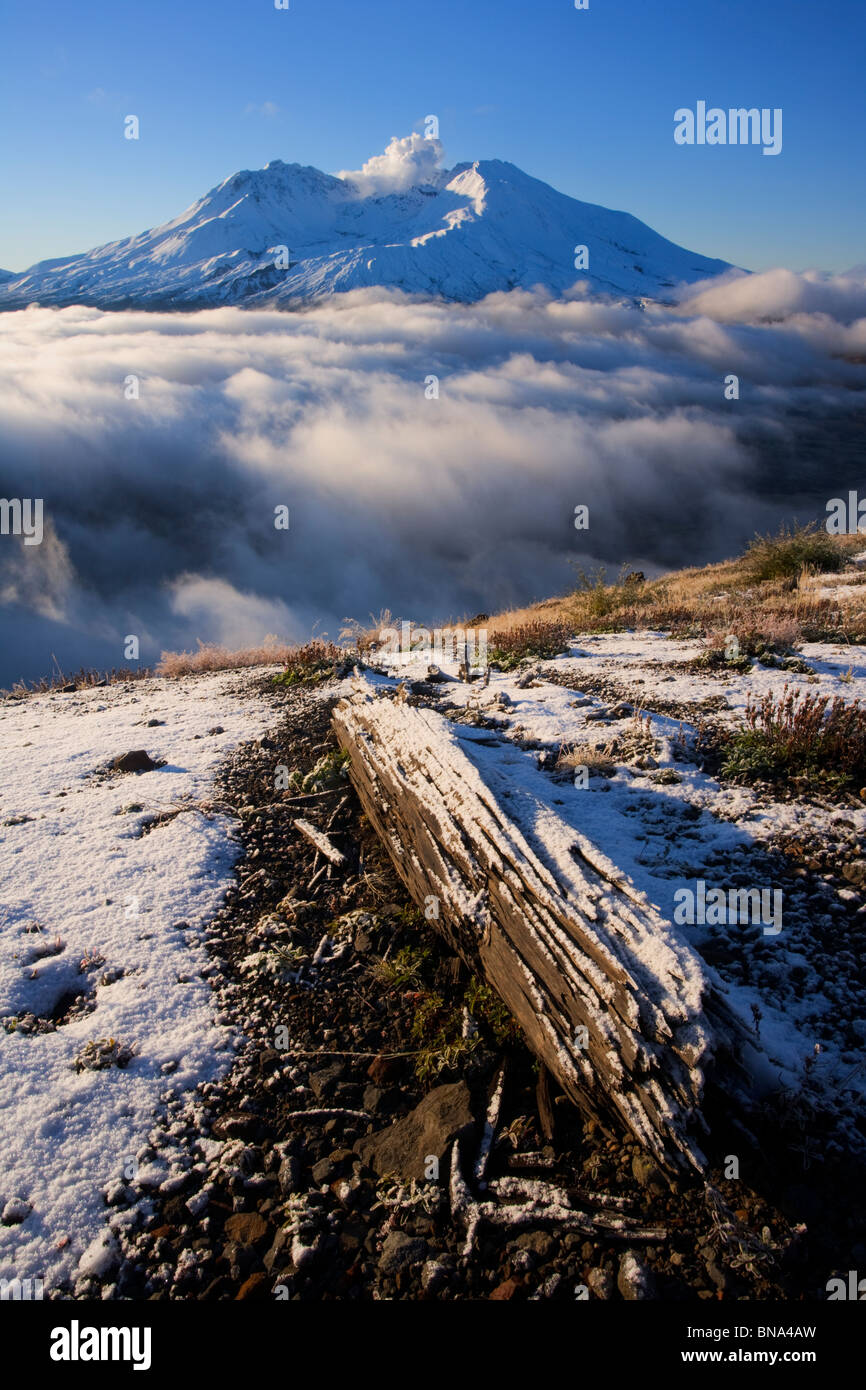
<point>610,998</point>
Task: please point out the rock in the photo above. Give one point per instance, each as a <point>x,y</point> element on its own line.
<point>217,729</point>
<point>253,1287</point>
<point>436,1273</point>
<point>718,1276</point>
<point>118,1194</point>
<point>539,1243</point>
<point>280,1253</point>
<point>15,1211</point>
<point>217,1288</point>
<point>522,1262</point>
<point>443,1116</point>
<point>247,1228</point>
<point>383,1069</point>
<point>234,1126</point>
<point>175,1212</point>
<point>509,1289</point>
<point>136,761</point>
<point>635,1279</point>
<point>324,1081</point>
<point>647,1172</point>
<point>372,1099</point>
<point>101,1257</point>
<point>855,872</point>
<point>289,1175</point>
<point>327,1170</point>
<point>600,1282</point>
<point>401,1252</point>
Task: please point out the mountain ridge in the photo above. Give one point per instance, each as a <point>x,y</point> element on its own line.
<point>290,233</point>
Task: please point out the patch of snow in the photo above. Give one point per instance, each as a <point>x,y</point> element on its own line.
<point>81,883</point>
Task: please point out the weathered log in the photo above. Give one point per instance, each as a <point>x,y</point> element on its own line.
<point>614,1003</point>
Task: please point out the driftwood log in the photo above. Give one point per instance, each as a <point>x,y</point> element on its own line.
<point>614,1003</point>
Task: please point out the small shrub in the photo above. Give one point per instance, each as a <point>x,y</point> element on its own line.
<point>793,549</point>
<point>797,734</point>
<point>598,597</point>
<point>539,640</point>
<point>313,663</point>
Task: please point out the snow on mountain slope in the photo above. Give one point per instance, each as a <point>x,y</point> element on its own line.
<point>458,234</point>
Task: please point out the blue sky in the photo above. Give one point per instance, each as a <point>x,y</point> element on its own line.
<point>582,99</point>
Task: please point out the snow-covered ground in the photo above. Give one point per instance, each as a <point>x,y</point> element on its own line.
<point>669,825</point>
<point>92,906</point>
<point>87,898</point>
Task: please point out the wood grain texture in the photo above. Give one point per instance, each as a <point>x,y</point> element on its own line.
<point>617,1007</point>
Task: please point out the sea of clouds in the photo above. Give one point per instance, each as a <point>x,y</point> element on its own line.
<point>159,511</point>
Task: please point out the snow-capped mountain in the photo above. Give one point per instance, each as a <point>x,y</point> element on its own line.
<point>289,233</point>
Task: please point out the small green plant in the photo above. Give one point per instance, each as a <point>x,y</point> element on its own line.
<point>438,1029</point>
<point>405,970</point>
<point>488,1009</point>
<point>331,769</point>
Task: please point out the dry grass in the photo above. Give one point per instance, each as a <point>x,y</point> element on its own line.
<point>83,679</point>
<point>212,657</point>
<point>713,599</point>
<point>366,639</point>
<point>779,593</point>
<point>594,757</point>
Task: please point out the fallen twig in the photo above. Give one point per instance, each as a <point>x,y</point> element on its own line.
<point>321,841</point>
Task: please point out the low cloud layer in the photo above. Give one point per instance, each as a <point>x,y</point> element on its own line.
<point>159,511</point>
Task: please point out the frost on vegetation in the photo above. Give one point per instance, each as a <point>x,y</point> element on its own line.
<point>396,1196</point>
<point>330,770</point>
<point>101,1053</point>
<point>280,963</point>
